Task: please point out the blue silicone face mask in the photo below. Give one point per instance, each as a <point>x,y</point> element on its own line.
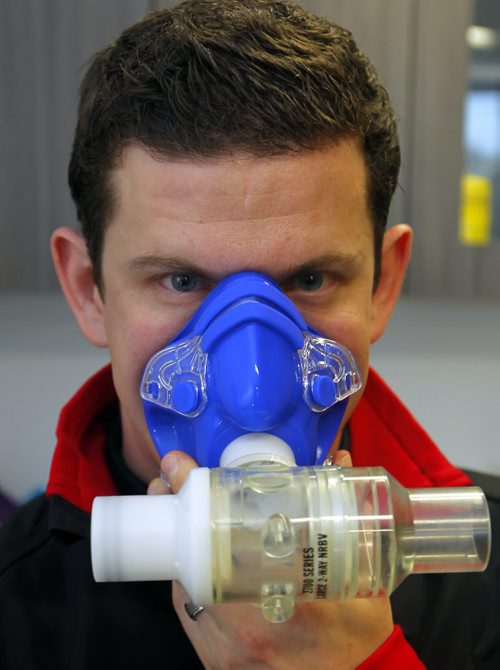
<point>247,362</point>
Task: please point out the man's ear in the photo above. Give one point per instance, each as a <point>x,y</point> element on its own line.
<point>396,252</point>
<point>74,269</point>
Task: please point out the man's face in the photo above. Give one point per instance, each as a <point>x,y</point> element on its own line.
<point>181,226</point>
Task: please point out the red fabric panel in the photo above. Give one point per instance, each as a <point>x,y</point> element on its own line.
<point>384,433</point>
<point>79,471</point>
<point>395,653</point>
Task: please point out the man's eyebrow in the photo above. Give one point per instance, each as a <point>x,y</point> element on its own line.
<point>163,264</point>
<point>341,263</point>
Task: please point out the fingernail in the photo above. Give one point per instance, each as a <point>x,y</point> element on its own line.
<point>170,465</point>
<point>157,487</point>
<point>345,461</point>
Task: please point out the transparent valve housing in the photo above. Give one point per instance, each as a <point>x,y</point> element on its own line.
<point>274,535</point>
<point>281,535</point>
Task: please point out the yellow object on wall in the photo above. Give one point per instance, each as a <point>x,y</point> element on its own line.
<point>476,210</point>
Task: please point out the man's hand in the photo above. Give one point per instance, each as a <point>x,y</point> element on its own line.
<point>319,635</point>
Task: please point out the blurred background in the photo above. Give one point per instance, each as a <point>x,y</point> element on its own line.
<point>441,353</point>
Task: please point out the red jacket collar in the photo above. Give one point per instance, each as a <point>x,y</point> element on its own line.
<point>79,471</point>
<point>382,432</point>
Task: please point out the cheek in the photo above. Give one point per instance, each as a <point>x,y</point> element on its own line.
<point>350,328</point>
<point>133,337</point>
<point>135,343</point>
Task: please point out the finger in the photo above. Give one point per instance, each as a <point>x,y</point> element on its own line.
<point>175,466</point>
<point>179,598</point>
<point>159,486</point>
<point>343,458</point>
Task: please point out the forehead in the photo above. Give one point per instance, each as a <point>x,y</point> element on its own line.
<point>241,206</point>
<point>186,184</point>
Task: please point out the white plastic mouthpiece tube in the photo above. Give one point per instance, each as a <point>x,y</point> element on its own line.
<point>273,535</point>
<point>148,538</point>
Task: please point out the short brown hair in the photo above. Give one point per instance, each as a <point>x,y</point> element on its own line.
<point>214,77</point>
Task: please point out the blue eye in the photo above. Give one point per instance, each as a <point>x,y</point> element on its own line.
<point>309,281</point>
<point>182,282</point>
